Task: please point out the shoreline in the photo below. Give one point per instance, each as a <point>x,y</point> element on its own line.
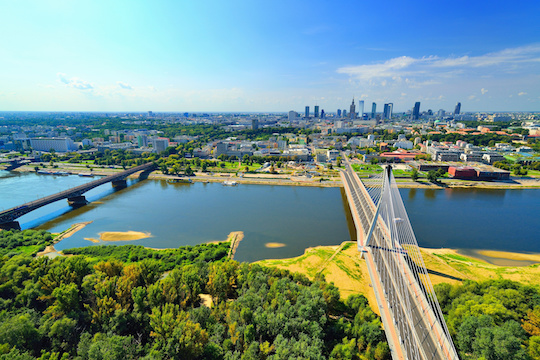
<point>63,235</point>
<point>281,180</point>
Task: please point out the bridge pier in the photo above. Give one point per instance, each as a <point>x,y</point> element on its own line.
<point>11,225</point>
<point>77,201</point>
<point>122,183</point>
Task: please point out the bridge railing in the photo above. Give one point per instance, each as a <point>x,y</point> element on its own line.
<point>25,208</point>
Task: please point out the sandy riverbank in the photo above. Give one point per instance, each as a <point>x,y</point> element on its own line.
<point>63,235</point>
<point>343,266</point>
<point>285,179</point>
<point>234,237</point>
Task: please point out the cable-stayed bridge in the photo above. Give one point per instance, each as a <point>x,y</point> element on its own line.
<point>412,318</point>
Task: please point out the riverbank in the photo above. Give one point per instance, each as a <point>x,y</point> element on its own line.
<point>290,180</point>
<point>343,266</point>
<point>50,250</point>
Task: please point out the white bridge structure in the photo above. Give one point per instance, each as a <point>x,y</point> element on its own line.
<point>411,315</point>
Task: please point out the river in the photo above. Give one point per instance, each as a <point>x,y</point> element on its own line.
<point>291,217</point>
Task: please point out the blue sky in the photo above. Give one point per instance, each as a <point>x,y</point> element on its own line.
<point>268,56</point>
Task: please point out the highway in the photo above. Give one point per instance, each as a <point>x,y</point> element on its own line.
<point>413,329</point>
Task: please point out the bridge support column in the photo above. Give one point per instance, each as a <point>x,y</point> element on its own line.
<point>119,183</point>
<point>77,201</point>
<point>11,225</point>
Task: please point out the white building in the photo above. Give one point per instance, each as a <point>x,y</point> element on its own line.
<point>160,145</point>
<point>56,144</point>
<point>404,144</point>
<point>293,115</point>
<point>332,155</point>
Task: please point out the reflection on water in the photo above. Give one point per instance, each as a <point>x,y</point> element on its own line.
<point>183,214</point>
<point>475,218</point>
<point>299,217</point>
<point>430,193</point>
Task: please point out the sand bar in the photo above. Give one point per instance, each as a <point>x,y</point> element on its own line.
<point>123,235</point>
<point>274,245</point>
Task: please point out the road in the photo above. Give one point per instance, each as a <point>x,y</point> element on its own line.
<point>413,330</point>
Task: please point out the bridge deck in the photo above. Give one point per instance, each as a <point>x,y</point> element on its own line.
<point>413,330</point>
<point>10,215</point>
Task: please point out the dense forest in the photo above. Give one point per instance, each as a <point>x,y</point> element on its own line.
<point>129,302</point>
<point>492,320</point>
<point>117,302</point>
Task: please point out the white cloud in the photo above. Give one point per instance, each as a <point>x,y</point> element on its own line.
<point>431,70</point>
<point>472,97</point>
<point>392,68</point>
<point>522,93</point>
<point>74,82</point>
<point>483,91</point>
<point>123,85</point>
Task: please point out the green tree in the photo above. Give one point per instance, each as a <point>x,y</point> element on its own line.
<point>414,174</point>
<point>19,331</point>
<point>534,347</point>
<point>432,175</point>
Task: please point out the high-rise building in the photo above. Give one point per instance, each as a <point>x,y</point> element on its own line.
<point>457,109</point>
<point>142,141</point>
<point>387,112</point>
<point>316,112</point>
<point>322,114</point>
<point>416,111</point>
<point>344,113</point>
<point>352,110</point>
<point>307,112</point>
<point>338,113</point>
<point>361,109</point>
<point>160,144</point>
<point>373,110</point>
<point>292,115</point>
<point>254,124</point>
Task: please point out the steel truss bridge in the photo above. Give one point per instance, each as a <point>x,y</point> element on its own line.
<point>74,196</point>
<point>411,315</point>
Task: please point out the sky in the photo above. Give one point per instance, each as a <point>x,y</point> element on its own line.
<point>268,56</point>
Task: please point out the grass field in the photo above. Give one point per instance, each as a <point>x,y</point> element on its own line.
<point>343,266</point>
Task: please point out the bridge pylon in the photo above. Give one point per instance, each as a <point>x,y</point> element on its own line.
<point>77,201</point>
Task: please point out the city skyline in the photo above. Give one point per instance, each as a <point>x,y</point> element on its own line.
<point>252,57</point>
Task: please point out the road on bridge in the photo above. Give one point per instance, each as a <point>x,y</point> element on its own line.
<point>413,329</point>
<point>8,217</point>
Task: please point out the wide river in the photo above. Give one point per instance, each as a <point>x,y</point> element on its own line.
<point>293,218</point>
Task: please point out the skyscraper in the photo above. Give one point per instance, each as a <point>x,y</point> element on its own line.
<point>352,110</point>
<point>322,114</point>
<point>387,113</point>
<point>338,113</point>
<point>416,111</point>
<point>316,112</point>
<point>361,109</point>
<point>373,110</point>
<point>307,112</point>
<point>457,109</point>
